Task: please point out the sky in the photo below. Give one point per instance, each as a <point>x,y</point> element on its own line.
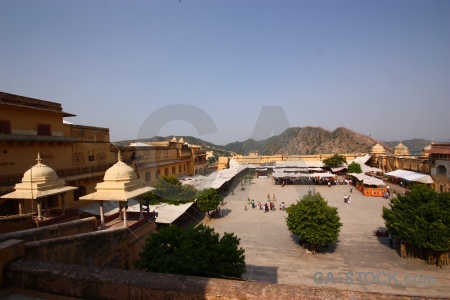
<point>226,71</point>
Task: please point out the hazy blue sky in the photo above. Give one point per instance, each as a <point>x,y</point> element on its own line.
<point>377,67</point>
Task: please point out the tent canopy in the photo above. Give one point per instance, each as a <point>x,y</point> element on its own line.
<point>366,179</point>
<point>411,176</point>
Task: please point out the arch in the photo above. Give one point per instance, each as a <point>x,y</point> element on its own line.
<point>148,177</point>
<point>184,167</point>
<point>158,174</point>
<point>441,170</point>
<point>166,171</point>
<point>173,170</point>
<point>180,169</point>
<point>201,121</point>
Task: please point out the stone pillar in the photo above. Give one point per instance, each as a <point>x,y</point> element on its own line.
<point>21,205</point>
<point>125,224</point>
<point>39,209</point>
<point>120,211</point>
<point>102,217</point>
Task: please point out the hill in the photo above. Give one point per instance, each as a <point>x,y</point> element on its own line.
<point>298,140</point>
<point>309,140</point>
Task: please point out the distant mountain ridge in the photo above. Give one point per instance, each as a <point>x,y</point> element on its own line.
<point>298,141</point>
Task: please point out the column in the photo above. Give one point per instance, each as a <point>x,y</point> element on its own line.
<point>102,216</point>
<point>125,224</point>
<point>120,211</point>
<point>39,209</point>
<point>21,205</point>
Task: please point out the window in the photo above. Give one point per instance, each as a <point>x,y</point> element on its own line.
<point>179,169</point>
<point>44,129</point>
<point>5,127</point>
<point>441,170</point>
<point>166,171</point>
<point>147,176</point>
<point>173,170</point>
<point>158,174</point>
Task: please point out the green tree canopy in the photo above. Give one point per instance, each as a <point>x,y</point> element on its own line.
<point>354,167</point>
<point>421,218</point>
<point>196,251</point>
<point>314,221</point>
<point>208,199</point>
<point>170,190</point>
<point>335,160</point>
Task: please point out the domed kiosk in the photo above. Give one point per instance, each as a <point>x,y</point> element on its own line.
<point>401,149</point>
<point>38,183</point>
<point>377,149</point>
<point>121,184</point>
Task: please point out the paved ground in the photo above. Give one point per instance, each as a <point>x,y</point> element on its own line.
<point>274,255</point>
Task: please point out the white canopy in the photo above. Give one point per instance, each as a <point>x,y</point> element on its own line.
<point>411,176</point>
<point>366,179</point>
<point>298,175</point>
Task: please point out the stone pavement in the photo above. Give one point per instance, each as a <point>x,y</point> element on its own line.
<point>273,254</point>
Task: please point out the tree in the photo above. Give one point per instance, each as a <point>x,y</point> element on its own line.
<point>196,251</point>
<point>314,221</point>
<point>421,218</point>
<point>354,167</point>
<point>170,190</point>
<point>335,160</point>
<point>207,200</point>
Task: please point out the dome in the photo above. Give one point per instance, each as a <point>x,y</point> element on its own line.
<point>181,141</point>
<point>401,149</point>
<point>39,173</point>
<point>426,149</point>
<point>174,139</point>
<point>377,149</point>
<point>120,171</point>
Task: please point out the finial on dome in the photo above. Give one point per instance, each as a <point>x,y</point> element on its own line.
<point>39,159</point>
<point>119,157</point>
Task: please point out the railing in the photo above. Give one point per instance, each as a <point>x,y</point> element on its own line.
<point>82,170</point>
<point>36,138</point>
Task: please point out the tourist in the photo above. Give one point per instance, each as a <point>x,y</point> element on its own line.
<point>274,198</point>
<point>245,207</point>
<point>351,189</point>
<point>309,190</point>
<point>349,200</point>
<point>266,208</point>
<point>329,183</point>
<point>253,203</point>
<point>345,199</point>
<point>283,206</point>
<point>314,190</point>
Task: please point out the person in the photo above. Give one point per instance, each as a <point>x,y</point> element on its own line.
<point>274,198</point>
<point>349,200</point>
<point>266,208</point>
<point>314,190</point>
<point>389,192</point>
<point>345,199</point>
<point>351,189</point>
<point>309,190</point>
<point>245,207</point>
<point>329,183</point>
<point>253,203</point>
<point>283,207</point>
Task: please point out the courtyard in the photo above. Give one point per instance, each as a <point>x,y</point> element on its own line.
<point>359,261</point>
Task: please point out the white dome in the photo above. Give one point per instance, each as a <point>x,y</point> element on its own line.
<point>401,149</point>
<point>120,171</point>
<point>39,173</point>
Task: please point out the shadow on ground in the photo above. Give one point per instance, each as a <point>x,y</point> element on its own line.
<point>331,248</point>
<point>262,274</point>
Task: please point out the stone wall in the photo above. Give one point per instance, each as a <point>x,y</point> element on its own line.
<point>15,223</point>
<point>96,283</point>
<point>105,248</point>
<point>53,231</point>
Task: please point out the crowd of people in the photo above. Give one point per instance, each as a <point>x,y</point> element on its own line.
<point>269,205</point>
